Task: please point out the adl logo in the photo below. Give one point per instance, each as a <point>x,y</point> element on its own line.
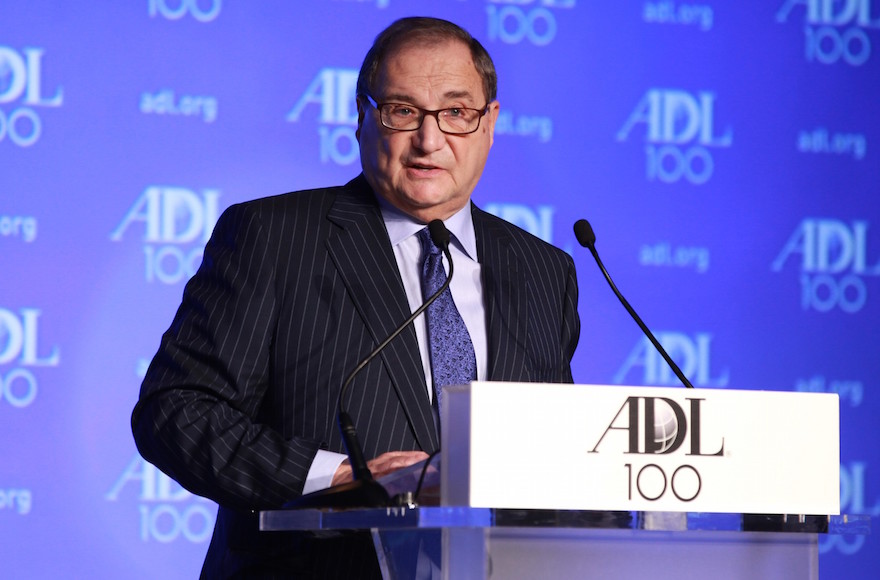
<point>537,221</point>
<point>833,264</point>
<point>333,91</point>
<point>19,339</point>
<point>691,353</point>
<point>177,9</point>
<point>20,76</point>
<point>659,425</point>
<point>679,130</point>
<point>518,20</point>
<point>172,217</point>
<point>834,30</point>
<point>167,511</point>
<point>644,412</point>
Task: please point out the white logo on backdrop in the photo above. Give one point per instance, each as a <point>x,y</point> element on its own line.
<point>177,222</point>
<point>332,91</point>
<point>17,226</point>
<point>537,220</point>
<point>853,500</point>
<point>21,80</point>
<point>671,12</point>
<point>167,511</point>
<point>821,140</point>
<point>509,123</point>
<point>834,30</point>
<point>165,102</point>
<point>847,390</point>
<point>201,10</point>
<point>692,353</point>
<point>18,500</point>
<point>516,21</point>
<point>665,254</point>
<point>19,345</point>
<point>679,133</point>
<point>833,263</point>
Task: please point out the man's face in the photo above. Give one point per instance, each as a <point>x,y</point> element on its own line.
<point>426,173</point>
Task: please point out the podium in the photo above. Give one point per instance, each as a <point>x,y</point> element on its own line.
<point>588,481</point>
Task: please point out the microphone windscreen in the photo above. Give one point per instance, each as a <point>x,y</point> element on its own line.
<point>439,233</point>
<point>583,231</point>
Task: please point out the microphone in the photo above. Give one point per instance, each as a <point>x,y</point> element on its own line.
<point>365,491</point>
<point>587,238</point>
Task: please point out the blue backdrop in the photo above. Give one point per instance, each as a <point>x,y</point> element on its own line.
<point>721,150</point>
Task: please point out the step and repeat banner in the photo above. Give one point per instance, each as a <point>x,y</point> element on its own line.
<point>725,153</point>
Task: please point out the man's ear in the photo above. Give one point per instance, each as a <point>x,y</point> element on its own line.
<point>491,118</point>
<point>361,112</point>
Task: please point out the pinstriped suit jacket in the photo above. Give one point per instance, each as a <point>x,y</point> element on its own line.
<point>294,290</point>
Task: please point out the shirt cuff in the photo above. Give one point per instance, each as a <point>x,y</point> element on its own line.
<point>322,470</point>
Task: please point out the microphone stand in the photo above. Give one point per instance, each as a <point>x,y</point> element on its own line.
<point>364,490</point>
<point>587,238</point>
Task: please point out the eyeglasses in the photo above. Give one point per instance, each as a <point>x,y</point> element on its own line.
<point>454,120</point>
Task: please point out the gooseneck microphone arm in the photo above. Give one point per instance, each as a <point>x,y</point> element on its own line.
<point>364,491</point>
<point>587,238</point>
<point>360,471</point>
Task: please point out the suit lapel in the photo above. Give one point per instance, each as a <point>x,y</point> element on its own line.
<point>375,287</point>
<point>503,288</point>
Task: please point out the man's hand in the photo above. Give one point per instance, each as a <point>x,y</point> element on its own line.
<point>382,465</point>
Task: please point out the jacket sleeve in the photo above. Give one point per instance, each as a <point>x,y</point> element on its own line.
<point>196,418</point>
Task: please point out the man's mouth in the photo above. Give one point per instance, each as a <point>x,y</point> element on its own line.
<point>422,167</point>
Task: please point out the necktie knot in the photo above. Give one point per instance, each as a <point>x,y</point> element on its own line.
<point>428,246</point>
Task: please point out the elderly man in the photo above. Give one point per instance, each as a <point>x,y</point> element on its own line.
<point>239,404</point>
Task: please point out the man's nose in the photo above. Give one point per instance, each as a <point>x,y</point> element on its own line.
<point>429,137</point>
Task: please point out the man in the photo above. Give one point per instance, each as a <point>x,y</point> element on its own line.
<point>239,404</point>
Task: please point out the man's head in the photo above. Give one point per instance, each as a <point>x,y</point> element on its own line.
<point>432,65</point>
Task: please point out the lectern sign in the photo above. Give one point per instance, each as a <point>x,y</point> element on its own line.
<point>659,425</point>
<point>661,434</point>
<point>518,445</point>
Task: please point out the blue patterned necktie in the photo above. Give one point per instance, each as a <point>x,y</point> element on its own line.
<point>453,361</point>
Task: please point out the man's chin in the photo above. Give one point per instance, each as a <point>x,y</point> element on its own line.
<point>424,195</point>
<point>428,205</point>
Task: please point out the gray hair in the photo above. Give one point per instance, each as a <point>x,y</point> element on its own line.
<point>428,30</point>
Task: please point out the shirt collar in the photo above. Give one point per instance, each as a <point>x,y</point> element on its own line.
<point>401,226</point>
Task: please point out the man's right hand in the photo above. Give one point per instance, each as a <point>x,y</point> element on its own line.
<point>382,465</point>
